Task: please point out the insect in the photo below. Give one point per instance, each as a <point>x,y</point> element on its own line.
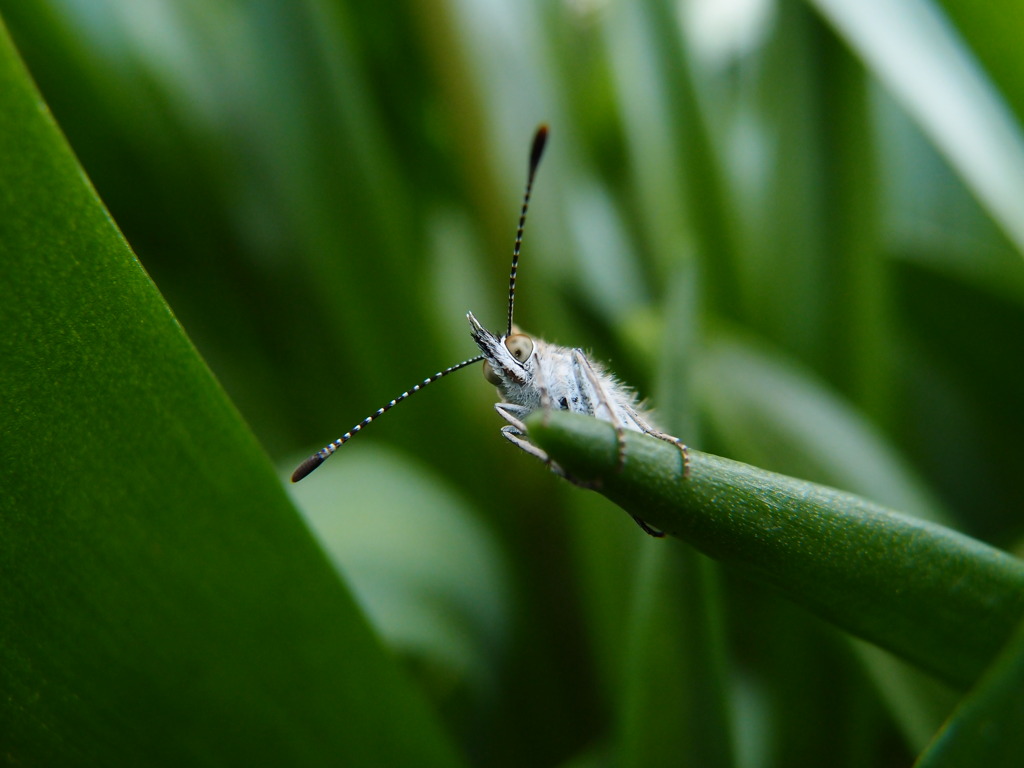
<point>531,375</point>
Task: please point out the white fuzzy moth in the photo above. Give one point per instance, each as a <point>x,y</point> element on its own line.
<point>532,375</point>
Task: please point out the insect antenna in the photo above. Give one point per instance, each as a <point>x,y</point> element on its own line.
<point>320,456</point>
<point>540,138</point>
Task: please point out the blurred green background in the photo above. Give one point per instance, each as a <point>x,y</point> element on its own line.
<point>796,228</point>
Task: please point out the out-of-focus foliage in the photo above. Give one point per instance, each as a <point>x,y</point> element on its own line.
<point>796,228</point>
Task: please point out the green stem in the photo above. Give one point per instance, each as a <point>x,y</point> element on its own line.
<point>942,600</point>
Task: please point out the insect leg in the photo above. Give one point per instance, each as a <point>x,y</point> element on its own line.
<point>514,415</point>
<point>540,382</point>
<point>582,364</point>
<point>515,433</point>
<point>515,437</point>
<point>654,432</point>
<point>620,430</point>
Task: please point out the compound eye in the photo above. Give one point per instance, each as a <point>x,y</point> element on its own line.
<point>520,345</point>
<point>490,374</point>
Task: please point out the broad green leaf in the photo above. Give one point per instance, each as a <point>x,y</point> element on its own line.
<point>161,602</point>
<point>939,599</point>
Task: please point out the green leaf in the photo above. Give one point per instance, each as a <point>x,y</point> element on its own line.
<point>674,700</point>
<point>675,693</point>
<point>940,599</point>
<point>160,600</point>
<point>929,69</point>
<point>986,728</point>
<point>770,411</point>
<point>428,573</point>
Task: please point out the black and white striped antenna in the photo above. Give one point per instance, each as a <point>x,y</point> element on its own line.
<point>540,139</point>
<point>318,458</point>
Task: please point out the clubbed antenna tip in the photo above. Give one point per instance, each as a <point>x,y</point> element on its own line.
<point>307,466</point>
<point>540,139</point>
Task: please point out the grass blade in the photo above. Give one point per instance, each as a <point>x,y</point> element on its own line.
<point>940,599</point>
